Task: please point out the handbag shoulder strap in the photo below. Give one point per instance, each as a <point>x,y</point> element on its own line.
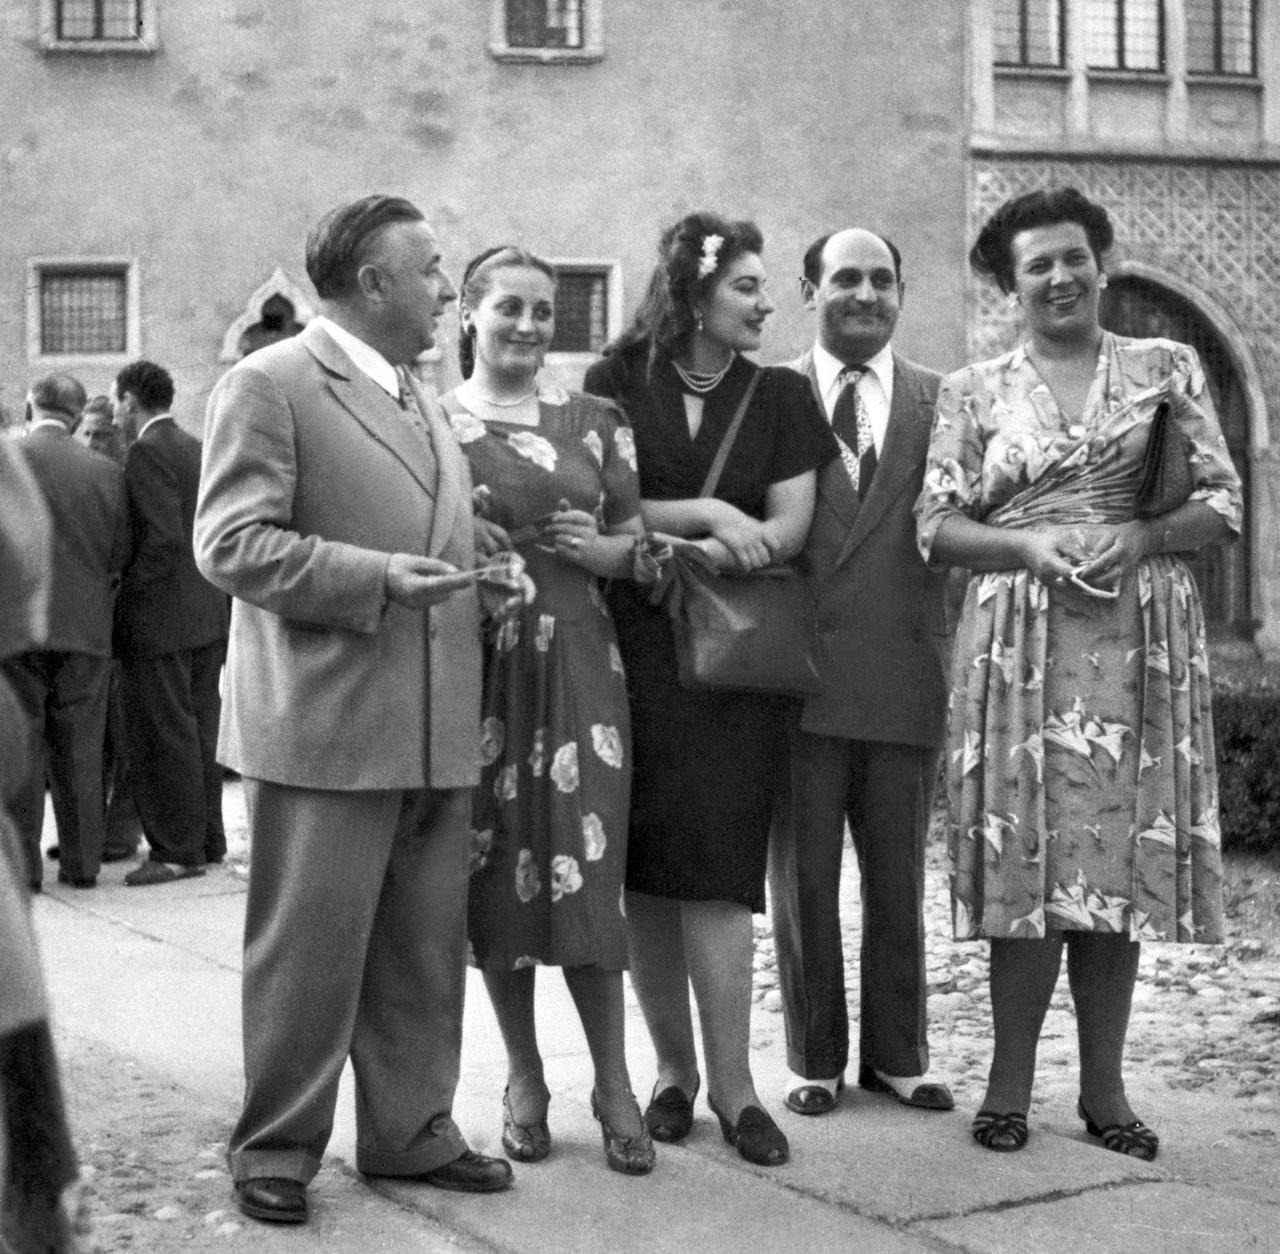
<point>726,444</point>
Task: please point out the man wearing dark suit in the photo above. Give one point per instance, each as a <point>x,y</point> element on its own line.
<point>63,685</point>
<point>335,507</point>
<point>866,748</point>
<point>171,635</point>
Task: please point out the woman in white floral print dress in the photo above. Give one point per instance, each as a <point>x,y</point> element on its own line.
<point>1082,786</point>
<point>555,480</point>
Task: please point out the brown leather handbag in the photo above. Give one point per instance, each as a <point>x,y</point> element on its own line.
<point>742,631</point>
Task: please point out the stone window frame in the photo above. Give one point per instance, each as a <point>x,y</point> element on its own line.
<point>145,43</point>
<point>38,267</point>
<point>592,49</point>
<point>611,269</point>
<point>1024,63</point>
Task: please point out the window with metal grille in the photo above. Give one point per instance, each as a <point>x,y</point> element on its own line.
<point>544,23</point>
<point>1222,36</point>
<point>1124,34</point>
<point>84,311</point>
<point>582,310</point>
<point>97,19</point>
<point>1029,32</point>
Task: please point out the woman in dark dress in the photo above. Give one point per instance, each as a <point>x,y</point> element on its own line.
<point>555,473</point>
<point>705,764</point>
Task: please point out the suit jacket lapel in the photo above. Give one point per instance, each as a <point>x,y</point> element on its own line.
<point>833,482</point>
<point>372,408</point>
<point>906,441</point>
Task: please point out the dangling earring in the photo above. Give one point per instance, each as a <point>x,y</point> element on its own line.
<point>1102,282</point>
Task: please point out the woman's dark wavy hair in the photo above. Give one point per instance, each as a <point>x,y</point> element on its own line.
<point>476,279</point>
<point>992,254</point>
<point>664,320</point>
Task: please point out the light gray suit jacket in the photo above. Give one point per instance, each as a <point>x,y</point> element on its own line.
<point>881,610</point>
<point>312,476</point>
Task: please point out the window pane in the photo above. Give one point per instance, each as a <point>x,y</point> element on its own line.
<point>1220,36</point>
<point>1102,34</point>
<point>1044,32</point>
<point>1123,35</point>
<point>582,300</point>
<point>1027,32</point>
<point>1142,49</point>
<point>544,23</point>
<point>97,19</point>
<point>82,312</point>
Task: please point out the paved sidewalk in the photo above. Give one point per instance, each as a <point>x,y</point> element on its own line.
<point>145,984</point>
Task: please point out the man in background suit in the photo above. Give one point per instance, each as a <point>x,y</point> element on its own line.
<point>63,685</point>
<point>866,748</point>
<point>171,635</point>
<point>335,507</point>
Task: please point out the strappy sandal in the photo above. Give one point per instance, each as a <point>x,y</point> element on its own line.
<point>1002,1133</point>
<point>525,1142</point>
<point>1134,1139</point>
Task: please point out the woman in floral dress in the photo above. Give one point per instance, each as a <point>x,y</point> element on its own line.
<point>1082,787</point>
<point>555,480</point>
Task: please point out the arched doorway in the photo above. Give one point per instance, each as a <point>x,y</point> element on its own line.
<point>1133,305</point>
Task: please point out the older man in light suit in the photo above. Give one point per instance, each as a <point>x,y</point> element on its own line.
<point>335,508</point>
<point>866,748</point>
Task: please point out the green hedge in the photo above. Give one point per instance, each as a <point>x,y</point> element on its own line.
<point>1246,726</point>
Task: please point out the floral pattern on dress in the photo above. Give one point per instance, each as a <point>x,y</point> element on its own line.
<point>1082,790</point>
<point>554,795</point>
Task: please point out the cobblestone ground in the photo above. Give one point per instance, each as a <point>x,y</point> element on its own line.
<point>1204,1017</point>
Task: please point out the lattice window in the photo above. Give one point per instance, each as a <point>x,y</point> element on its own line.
<point>1029,32</point>
<point>582,309</point>
<point>1222,37</point>
<point>84,311</point>
<point>97,19</point>
<point>544,23</point>
<point>1124,34</point>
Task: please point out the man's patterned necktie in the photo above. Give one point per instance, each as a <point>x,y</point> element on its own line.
<point>852,426</point>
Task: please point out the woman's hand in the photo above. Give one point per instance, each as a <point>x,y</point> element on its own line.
<point>571,534</point>
<point>490,538</point>
<point>747,539</point>
<point>1118,555</point>
<point>1050,555</point>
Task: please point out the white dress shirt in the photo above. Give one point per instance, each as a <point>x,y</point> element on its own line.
<point>875,387</point>
<point>367,359</point>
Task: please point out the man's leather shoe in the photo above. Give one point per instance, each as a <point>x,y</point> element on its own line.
<point>77,881</point>
<point>152,872</point>
<point>273,1199</point>
<point>468,1173</point>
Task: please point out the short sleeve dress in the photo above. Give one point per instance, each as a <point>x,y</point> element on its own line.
<point>1082,786</point>
<point>706,765</point>
<point>550,812</point>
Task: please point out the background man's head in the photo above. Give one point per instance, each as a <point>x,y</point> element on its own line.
<point>376,265</point>
<point>98,430</point>
<point>853,281</point>
<point>59,396</point>
<point>141,391</point>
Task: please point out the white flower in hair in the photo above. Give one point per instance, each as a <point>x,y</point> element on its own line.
<point>710,248</point>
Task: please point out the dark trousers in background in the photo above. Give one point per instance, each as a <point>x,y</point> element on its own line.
<point>172,706</point>
<point>124,828</point>
<point>64,695</point>
<point>886,793</point>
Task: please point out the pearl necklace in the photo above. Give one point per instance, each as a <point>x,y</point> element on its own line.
<point>520,400</point>
<point>703,383</point>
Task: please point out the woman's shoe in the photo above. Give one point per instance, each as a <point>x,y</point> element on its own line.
<point>669,1115</point>
<point>523,1142</point>
<point>1134,1139</point>
<point>755,1136</point>
<point>1002,1133</point>
<point>631,1155</point>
